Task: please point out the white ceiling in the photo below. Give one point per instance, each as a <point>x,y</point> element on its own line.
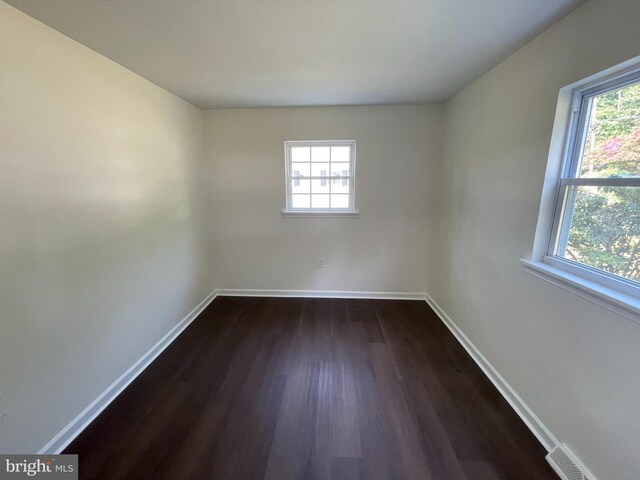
<point>240,53</point>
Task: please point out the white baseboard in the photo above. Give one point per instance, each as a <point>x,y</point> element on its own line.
<point>539,429</point>
<point>58,443</point>
<point>235,292</point>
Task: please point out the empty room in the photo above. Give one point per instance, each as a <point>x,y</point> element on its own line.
<point>320,239</point>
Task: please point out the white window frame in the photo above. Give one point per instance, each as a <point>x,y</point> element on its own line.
<point>338,212</point>
<point>610,291</point>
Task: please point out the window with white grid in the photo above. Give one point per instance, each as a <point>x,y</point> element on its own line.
<point>320,176</point>
<point>588,235</point>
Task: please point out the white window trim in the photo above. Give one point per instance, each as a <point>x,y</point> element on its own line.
<point>320,213</point>
<point>351,211</point>
<point>612,292</point>
<point>626,305</point>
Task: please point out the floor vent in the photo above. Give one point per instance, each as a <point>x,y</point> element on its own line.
<point>566,465</point>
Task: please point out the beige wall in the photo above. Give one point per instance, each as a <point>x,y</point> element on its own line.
<point>102,241</point>
<point>107,213</point>
<point>573,362</point>
<point>383,249</point>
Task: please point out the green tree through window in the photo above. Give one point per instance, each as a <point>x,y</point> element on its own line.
<point>605,225</point>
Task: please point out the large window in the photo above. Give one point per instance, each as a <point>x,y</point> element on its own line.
<point>320,177</point>
<point>594,228</point>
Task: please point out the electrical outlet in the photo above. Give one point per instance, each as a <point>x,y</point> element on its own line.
<point>320,262</point>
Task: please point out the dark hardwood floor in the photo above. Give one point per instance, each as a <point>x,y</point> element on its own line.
<point>284,388</point>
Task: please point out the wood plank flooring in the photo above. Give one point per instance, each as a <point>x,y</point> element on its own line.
<point>290,388</point>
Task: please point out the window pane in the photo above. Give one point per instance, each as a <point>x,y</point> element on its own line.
<point>319,169</point>
<point>612,144</point>
<point>320,154</point>
<point>340,154</point>
<point>329,165</point>
<point>301,169</point>
<point>320,201</point>
<point>339,201</point>
<point>340,186</point>
<point>340,169</point>
<point>300,186</point>
<point>605,229</point>
<point>300,201</point>
<point>320,186</point>
<point>300,154</point>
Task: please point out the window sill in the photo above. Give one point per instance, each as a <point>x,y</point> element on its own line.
<point>613,300</point>
<point>320,213</point>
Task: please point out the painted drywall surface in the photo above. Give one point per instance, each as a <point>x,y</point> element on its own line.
<point>573,362</point>
<point>102,219</point>
<point>382,249</point>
